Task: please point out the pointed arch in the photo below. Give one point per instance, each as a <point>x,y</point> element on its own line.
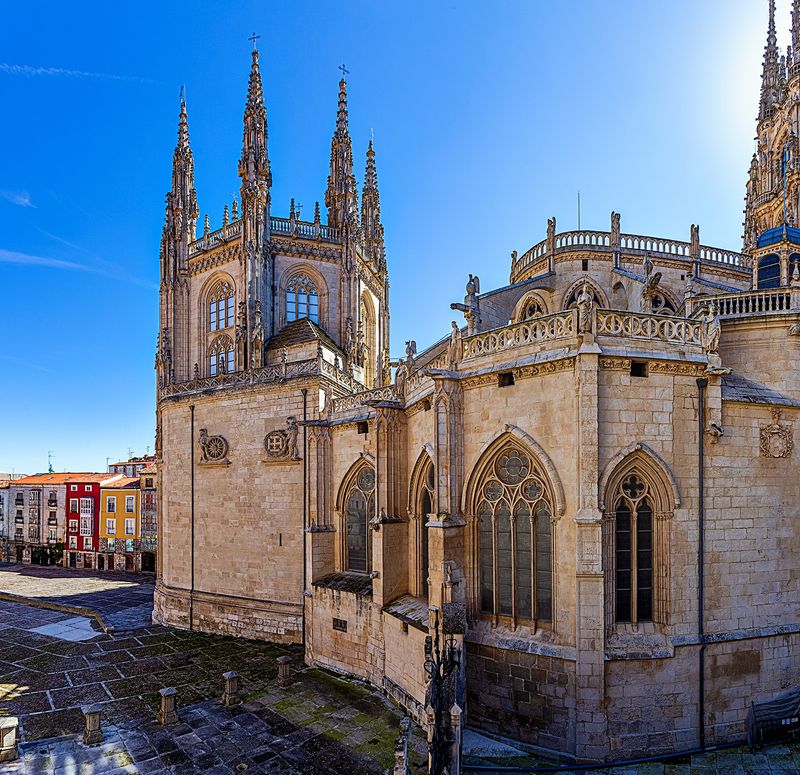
<point>531,305</point>
<point>421,503</point>
<point>638,495</point>
<point>220,358</point>
<point>570,298</point>
<point>651,463</point>
<point>535,448</point>
<point>303,293</point>
<point>510,500</point>
<point>355,509</point>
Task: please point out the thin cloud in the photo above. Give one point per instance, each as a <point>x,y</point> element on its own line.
<point>12,257</point>
<point>21,198</point>
<point>29,71</point>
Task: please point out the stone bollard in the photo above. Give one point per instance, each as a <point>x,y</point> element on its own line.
<point>8,739</point>
<point>92,734</point>
<point>168,714</point>
<point>456,734</point>
<point>284,676</point>
<point>230,696</point>
<point>401,766</point>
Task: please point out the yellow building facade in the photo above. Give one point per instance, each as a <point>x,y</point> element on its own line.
<point>120,524</point>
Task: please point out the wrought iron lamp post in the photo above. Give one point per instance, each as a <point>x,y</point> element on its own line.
<point>440,667</point>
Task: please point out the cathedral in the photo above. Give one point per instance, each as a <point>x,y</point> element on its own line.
<point>588,486</point>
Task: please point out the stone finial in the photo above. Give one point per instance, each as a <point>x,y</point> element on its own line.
<point>316,213</point>
<point>230,696</point>
<point>235,210</point>
<point>206,226</point>
<point>225,216</point>
<point>284,674</point>
<point>9,727</point>
<point>92,733</point>
<point>168,713</point>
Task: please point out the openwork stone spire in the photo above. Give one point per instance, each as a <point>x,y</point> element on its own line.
<point>182,200</point>
<point>341,196</point>
<point>371,210</point>
<point>770,74</point>
<point>254,169</point>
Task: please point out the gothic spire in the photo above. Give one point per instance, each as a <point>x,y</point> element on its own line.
<point>183,199</point>
<point>796,27</point>
<point>254,169</point>
<point>770,70</point>
<point>371,210</point>
<point>341,197</point>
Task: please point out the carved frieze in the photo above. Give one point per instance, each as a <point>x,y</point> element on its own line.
<point>213,449</point>
<point>281,444</point>
<point>777,439</point>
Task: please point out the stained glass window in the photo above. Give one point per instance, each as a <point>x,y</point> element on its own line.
<point>515,538</point>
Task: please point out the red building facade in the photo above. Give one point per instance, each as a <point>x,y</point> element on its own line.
<point>82,525</point>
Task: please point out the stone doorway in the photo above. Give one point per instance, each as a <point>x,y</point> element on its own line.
<point>148,562</point>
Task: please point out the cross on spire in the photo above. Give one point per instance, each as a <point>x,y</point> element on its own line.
<point>345,71</point>
<point>254,38</point>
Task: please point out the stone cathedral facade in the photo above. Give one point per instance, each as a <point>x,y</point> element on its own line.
<point>541,476</point>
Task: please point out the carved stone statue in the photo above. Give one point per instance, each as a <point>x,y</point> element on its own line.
<point>196,372</point>
<point>291,438</point>
<point>455,348</point>
<point>713,329</point>
<point>551,235</point>
<point>257,338</point>
<point>400,377</point>
<point>651,281</point>
<point>615,229</point>
<point>411,351</point>
<point>694,241</point>
<point>349,342</point>
<point>585,303</point>
<point>203,441</point>
<point>471,306</point>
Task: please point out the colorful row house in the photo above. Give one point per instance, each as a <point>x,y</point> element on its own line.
<point>120,525</point>
<point>89,521</point>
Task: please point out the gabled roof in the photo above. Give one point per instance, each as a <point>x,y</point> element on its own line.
<point>123,483</point>
<point>300,332</point>
<point>64,478</point>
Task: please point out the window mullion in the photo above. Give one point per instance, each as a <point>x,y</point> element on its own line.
<point>495,570</point>
<point>534,545</point>
<point>513,523</point>
<point>634,568</point>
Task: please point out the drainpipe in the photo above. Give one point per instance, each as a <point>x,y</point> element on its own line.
<point>702,384</point>
<point>191,456</point>
<point>304,391</point>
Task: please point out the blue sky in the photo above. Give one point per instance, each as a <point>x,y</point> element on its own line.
<point>488,118</point>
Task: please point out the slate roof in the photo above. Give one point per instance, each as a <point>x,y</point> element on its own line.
<point>410,609</point>
<point>735,387</point>
<point>357,583</point>
<point>300,332</point>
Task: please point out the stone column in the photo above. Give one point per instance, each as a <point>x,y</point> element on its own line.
<point>284,672</point>
<point>9,727</point>
<point>591,742</point>
<point>168,713</point>
<point>92,734</point>
<point>390,537</point>
<point>230,695</point>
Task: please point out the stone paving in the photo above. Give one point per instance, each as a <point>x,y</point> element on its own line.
<point>123,600</point>
<point>319,724</point>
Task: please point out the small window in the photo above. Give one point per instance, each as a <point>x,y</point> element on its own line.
<point>148,482</point>
<point>73,488</point>
<point>130,526</point>
<point>363,427</point>
<point>130,502</point>
<point>505,379</point>
<point>340,625</point>
<point>73,526</point>
<point>73,542</point>
<point>111,504</point>
<point>87,543</point>
<point>87,506</point>
<point>111,544</point>
<point>87,488</point>
<point>111,526</point>
<point>638,368</point>
<point>73,505</point>
<point>585,264</point>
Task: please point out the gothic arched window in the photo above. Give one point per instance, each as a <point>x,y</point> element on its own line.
<point>769,272</point>
<point>421,506</point>
<point>515,510</point>
<point>640,502</point>
<point>661,304</point>
<point>571,299</point>
<point>302,299</point>
<point>220,356</point>
<point>530,307</point>
<point>633,548</point>
<point>220,307</point>
<point>359,506</point>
